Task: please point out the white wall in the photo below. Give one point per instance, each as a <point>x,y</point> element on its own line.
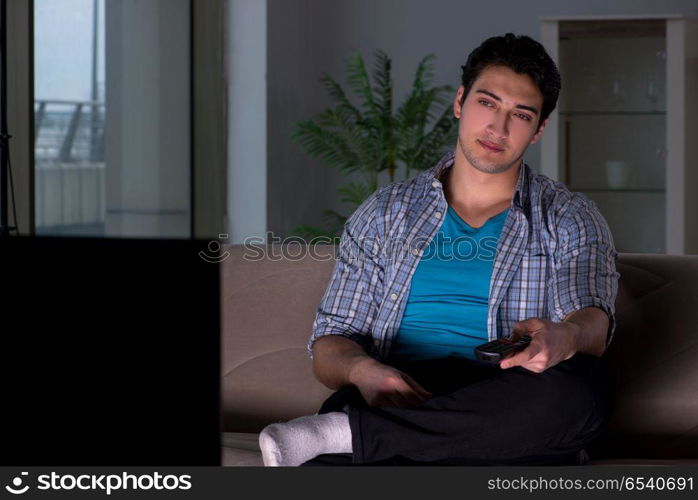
<point>308,37</point>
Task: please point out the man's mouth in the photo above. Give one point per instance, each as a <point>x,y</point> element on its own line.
<point>490,146</point>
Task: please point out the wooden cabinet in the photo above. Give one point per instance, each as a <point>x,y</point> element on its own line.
<point>625,132</point>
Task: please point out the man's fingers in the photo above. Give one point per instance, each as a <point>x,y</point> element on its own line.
<point>411,390</point>
<point>530,327</point>
<point>517,331</point>
<point>521,327</point>
<point>421,391</point>
<point>412,397</point>
<point>398,399</point>
<point>520,358</point>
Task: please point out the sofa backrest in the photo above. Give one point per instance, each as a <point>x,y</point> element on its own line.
<point>269,300</point>
<point>654,357</point>
<point>268,308</point>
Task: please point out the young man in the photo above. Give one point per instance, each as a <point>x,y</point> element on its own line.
<point>477,248</point>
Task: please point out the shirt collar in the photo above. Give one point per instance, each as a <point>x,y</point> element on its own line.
<point>438,173</point>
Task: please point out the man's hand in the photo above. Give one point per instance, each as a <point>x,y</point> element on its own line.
<point>550,343</point>
<point>383,385</point>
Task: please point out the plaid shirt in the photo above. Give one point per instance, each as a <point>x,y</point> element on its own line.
<point>555,256</point>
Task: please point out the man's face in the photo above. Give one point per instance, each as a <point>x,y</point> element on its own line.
<point>498,119</point>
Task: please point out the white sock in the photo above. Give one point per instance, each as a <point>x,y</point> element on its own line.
<point>304,438</point>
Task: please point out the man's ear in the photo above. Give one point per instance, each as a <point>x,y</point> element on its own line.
<point>539,133</point>
<point>457,106</point>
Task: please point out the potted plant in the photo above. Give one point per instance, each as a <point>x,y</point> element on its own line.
<point>369,136</point>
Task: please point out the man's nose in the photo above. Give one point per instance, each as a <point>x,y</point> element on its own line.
<point>499,126</point>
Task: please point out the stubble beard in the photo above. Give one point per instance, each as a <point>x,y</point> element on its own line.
<point>486,167</point>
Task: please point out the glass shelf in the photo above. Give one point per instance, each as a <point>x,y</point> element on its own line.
<point>618,190</point>
<point>612,113</point>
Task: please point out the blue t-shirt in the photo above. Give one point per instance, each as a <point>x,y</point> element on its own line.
<point>446,312</point>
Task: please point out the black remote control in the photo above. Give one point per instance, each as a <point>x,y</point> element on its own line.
<point>500,349</point>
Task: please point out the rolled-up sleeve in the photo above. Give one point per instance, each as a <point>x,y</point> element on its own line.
<point>350,303</point>
<point>584,272</point>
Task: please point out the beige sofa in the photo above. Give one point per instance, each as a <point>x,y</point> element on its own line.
<point>268,306</point>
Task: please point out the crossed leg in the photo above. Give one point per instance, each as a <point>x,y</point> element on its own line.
<point>481,415</point>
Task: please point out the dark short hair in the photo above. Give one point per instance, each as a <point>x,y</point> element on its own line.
<point>522,55</point>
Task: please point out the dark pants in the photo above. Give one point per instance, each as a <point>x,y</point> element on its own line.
<point>481,415</point>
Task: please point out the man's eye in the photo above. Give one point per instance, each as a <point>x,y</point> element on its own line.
<point>485,103</point>
<point>524,117</point>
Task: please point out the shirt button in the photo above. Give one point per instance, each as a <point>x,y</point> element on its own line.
<point>415,251</point>
<point>437,215</point>
<point>393,296</point>
<point>376,342</point>
<point>436,184</point>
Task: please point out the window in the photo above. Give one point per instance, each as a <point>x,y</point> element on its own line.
<point>112,118</point>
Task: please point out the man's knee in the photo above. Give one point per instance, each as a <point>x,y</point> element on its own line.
<point>580,390</point>
<point>585,376</point>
